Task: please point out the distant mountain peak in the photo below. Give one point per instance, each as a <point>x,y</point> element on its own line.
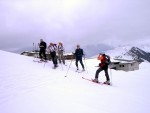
<point>140,54</point>
<point>130,53</point>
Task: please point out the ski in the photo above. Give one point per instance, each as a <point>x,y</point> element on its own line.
<point>39,61</point>
<point>76,71</point>
<point>91,80</point>
<point>79,71</point>
<point>54,67</point>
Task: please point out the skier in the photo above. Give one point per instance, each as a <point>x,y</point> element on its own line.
<point>78,55</point>
<point>52,49</point>
<point>103,66</point>
<point>42,47</point>
<point>61,53</point>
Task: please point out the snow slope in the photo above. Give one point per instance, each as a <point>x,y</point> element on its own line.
<point>31,87</point>
<point>122,52</point>
<point>144,45</point>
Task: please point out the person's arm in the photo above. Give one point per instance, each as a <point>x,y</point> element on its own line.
<point>74,53</point>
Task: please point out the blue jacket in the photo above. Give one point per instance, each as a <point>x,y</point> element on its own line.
<point>79,53</point>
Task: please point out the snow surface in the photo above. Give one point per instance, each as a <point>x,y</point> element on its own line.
<point>31,87</point>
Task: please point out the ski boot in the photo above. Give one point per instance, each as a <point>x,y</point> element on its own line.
<point>107,82</point>
<point>95,80</point>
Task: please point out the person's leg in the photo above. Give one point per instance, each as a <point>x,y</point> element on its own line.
<point>97,72</point>
<point>44,54</point>
<point>81,63</point>
<point>62,57</point>
<point>40,54</point>
<point>59,56</point>
<point>55,59</point>
<point>107,75</point>
<point>77,63</point>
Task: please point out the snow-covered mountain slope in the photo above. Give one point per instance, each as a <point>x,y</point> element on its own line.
<point>140,52</point>
<point>31,87</point>
<point>144,45</point>
<point>120,52</point>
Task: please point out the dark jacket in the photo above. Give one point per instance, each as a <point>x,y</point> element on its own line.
<point>43,45</point>
<point>78,53</point>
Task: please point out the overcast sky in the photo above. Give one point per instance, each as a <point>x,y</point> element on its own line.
<point>72,22</point>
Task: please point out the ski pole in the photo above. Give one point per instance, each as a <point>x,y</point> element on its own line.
<point>61,67</point>
<point>44,65</point>
<point>68,68</point>
<point>85,65</point>
<point>111,75</point>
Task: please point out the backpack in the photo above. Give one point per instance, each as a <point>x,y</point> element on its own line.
<point>108,61</point>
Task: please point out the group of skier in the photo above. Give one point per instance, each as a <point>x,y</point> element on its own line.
<point>52,49</point>
<point>79,54</point>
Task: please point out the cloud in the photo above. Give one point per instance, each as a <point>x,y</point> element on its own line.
<point>85,22</point>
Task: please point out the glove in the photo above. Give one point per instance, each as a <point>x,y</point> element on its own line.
<point>101,65</point>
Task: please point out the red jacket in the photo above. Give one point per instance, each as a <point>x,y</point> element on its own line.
<point>102,59</point>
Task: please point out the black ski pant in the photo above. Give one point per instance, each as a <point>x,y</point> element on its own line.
<point>106,73</point>
<point>42,52</point>
<point>54,58</point>
<point>80,60</point>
